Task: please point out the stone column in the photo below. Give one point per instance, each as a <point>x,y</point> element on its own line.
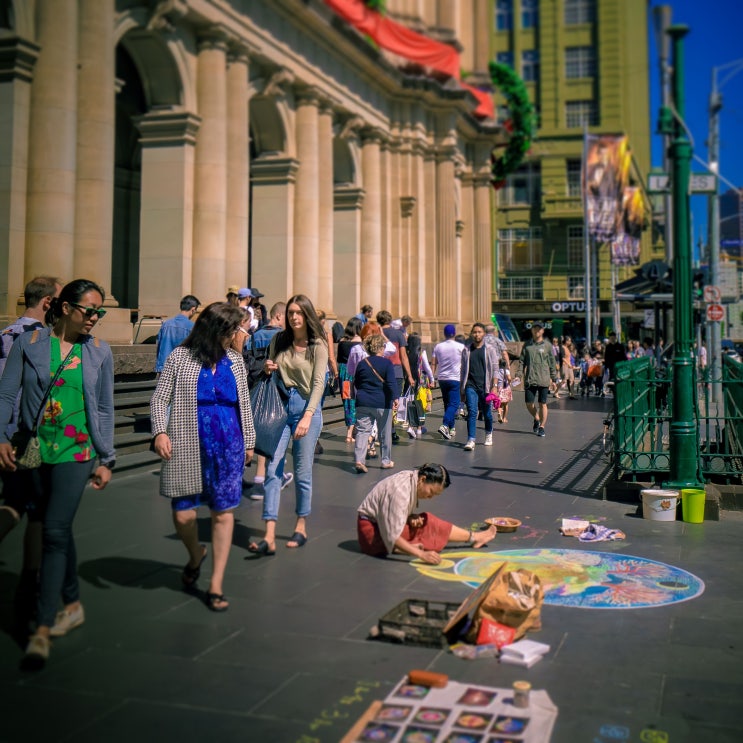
<point>371,221</point>
<point>325,298</point>
<point>96,95</point>
<point>166,218</point>
<point>430,219</point>
<point>273,180</point>
<point>238,169</point>
<point>349,284</point>
<point>482,32</point>
<point>394,267</point>
<point>483,242</point>
<point>50,216</point>
<point>307,208</point>
<point>447,267</point>
<point>466,236</point>
<point>210,174</point>
<point>17,59</point>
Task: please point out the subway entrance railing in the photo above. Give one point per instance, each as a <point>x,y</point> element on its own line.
<point>642,418</point>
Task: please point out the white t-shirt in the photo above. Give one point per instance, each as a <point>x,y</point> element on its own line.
<point>448,355</point>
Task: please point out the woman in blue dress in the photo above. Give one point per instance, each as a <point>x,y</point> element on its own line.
<point>202,428</point>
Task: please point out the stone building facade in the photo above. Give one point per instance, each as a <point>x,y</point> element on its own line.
<point>181,146</point>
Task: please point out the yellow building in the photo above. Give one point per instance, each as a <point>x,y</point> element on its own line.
<point>181,146</point>
<point>585,64</point>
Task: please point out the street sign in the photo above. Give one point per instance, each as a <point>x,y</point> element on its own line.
<point>703,183</point>
<point>731,243</point>
<point>715,312</point>
<point>712,294</point>
<point>659,183</point>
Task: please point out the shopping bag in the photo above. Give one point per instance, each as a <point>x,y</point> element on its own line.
<point>416,411</point>
<point>269,415</point>
<point>515,599</point>
<point>402,406</point>
<point>425,396</point>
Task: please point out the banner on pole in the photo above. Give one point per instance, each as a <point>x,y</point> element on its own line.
<point>625,247</point>
<point>606,171</point>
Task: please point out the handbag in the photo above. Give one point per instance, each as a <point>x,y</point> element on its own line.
<point>25,443</point>
<point>346,390</point>
<point>269,415</point>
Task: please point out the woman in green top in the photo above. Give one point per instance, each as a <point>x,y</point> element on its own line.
<point>75,430</point>
<point>300,355</point>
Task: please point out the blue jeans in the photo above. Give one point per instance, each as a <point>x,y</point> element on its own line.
<point>450,394</point>
<point>303,451</point>
<point>365,418</point>
<point>475,402</point>
<point>60,489</point>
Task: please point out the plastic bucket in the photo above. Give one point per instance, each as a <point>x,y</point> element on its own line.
<point>692,505</point>
<point>659,505</point>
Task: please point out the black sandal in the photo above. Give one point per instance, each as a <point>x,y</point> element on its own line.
<point>190,575</point>
<point>212,599</point>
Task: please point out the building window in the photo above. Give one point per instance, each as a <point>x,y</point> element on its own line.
<point>525,287</point>
<point>576,248</point>
<point>580,61</point>
<point>504,15</point>
<point>530,66</point>
<point>575,177</point>
<point>576,287</point>
<point>503,113</point>
<point>529,13</point>
<point>579,11</point>
<point>520,250</point>
<point>579,113</point>
<point>522,187</point>
<point>505,58</point>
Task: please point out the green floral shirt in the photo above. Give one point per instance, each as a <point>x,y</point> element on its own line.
<point>63,431</point>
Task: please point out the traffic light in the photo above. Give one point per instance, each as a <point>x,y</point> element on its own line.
<point>699,279</point>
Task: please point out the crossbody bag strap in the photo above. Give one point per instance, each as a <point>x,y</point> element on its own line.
<point>376,373</point>
<point>56,376</point>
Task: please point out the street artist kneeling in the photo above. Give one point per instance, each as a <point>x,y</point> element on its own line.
<point>387,522</point>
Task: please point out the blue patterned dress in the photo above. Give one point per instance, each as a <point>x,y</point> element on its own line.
<point>220,439</point>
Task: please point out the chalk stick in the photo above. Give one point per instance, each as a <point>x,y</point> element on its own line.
<point>428,678</point>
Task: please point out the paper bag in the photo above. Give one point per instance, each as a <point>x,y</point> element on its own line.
<point>515,599</point>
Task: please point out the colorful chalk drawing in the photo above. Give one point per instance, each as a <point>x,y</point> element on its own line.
<point>582,579</point>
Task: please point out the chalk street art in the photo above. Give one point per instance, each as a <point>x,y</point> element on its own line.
<point>578,578</point>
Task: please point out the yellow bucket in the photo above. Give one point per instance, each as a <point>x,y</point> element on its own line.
<point>692,505</point>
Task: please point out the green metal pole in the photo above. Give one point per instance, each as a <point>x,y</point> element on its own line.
<point>684,470</point>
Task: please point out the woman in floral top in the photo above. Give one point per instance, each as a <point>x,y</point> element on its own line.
<point>75,430</point>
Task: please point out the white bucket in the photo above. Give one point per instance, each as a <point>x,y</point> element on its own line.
<point>659,505</point>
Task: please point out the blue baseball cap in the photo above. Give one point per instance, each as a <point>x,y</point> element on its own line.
<point>449,331</point>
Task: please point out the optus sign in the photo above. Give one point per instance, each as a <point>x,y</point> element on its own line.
<point>568,306</point>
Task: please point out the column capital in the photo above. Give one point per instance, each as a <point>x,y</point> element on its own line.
<point>308,95</point>
<point>212,37</point>
<point>348,198</point>
<point>238,52</point>
<point>167,128</point>
<point>373,135</point>
<point>17,59</point>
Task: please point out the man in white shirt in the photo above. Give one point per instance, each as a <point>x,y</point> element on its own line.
<point>447,367</point>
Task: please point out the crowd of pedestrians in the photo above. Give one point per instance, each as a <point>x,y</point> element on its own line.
<point>56,418</point>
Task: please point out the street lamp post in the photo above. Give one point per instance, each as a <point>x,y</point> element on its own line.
<point>713,148</point>
<point>683,430</point>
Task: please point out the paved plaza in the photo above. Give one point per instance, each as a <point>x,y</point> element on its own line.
<point>291,660</point>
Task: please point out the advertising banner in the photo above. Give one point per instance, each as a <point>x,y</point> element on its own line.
<point>606,171</point>
<point>625,247</point>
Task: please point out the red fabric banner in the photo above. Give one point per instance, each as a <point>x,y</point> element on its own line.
<point>400,40</point>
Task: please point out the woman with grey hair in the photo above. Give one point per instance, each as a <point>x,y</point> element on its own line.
<point>376,397</point>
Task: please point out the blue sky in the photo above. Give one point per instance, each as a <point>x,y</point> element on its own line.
<point>715,39</point>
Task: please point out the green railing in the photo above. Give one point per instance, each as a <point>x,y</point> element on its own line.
<point>642,417</point>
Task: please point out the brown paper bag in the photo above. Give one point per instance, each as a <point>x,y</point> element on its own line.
<point>515,599</point>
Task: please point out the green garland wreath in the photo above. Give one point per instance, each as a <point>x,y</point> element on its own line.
<point>379,5</point>
<point>522,119</point>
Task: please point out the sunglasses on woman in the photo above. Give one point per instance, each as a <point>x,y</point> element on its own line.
<point>88,312</point>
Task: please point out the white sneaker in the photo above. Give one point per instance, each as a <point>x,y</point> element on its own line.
<point>445,432</point>
<point>488,439</point>
<point>37,652</point>
<point>470,445</point>
<point>453,432</point>
<point>286,479</point>
<point>66,621</point>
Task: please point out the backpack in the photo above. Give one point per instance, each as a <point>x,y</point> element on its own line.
<point>254,359</point>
